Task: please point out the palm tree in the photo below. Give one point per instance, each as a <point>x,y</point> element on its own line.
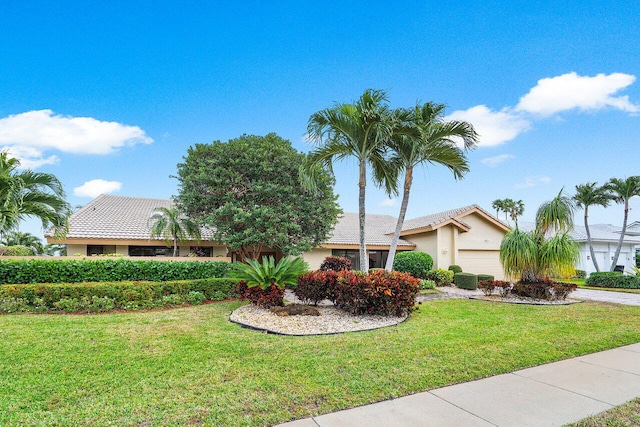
<point>590,194</point>
<point>428,139</point>
<point>16,238</point>
<point>498,205</point>
<point>622,190</point>
<point>30,194</point>
<point>361,130</point>
<point>533,255</point>
<point>169,224</point>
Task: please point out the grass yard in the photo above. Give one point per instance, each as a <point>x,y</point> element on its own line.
<point>192,366</point>
<point>581,285</point>
<point>626,415</point>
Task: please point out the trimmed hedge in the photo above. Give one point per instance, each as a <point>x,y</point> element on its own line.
<point>415,263</point>
<point>441,277</point>
<point>466,281</point>
<point>455,268</point>
<point>613,280</point>
<point>107,270</point>
<point>482,277</point>
<point>105,296</point>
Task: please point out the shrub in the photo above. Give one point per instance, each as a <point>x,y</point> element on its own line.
<point>580,274</point>
<point>613,280</point>
<point>13,305</point>
<point>105,296</point>
<point>381,292</point>
<point>486,286</point>
<point>335,263</point>
<point>545,289</point>
<point>16,250</point>
<point>316,286</point>
<point>455,268</point>
<point>427,284</point>
<point>196,298</point>
<point>107,270</point>
<point>485,277</point>
<point>415,263</point>
<point>465,280</point>
<point>441,277</point>
<point>271,296</point>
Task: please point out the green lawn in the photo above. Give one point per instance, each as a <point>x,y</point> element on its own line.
<point>626,415</point>
<point>191,366</point>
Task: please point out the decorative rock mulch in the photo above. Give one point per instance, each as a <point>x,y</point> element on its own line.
<point>330,321</point>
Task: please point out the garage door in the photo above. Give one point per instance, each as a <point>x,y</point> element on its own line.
<point>481,262</point>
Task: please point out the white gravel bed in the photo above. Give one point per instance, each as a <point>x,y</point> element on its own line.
<point>330,321</point>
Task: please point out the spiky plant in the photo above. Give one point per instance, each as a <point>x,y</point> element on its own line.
<point>267,273</point>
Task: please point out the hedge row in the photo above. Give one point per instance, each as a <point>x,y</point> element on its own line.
<point>107,270</point>
<point>613,280</point>
<point>105,296</point>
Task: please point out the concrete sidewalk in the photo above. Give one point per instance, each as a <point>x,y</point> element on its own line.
<point>548,395</point>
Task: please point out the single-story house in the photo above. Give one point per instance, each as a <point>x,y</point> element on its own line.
<point>468,236</point>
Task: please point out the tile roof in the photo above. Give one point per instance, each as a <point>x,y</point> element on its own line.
<point>440,217</point>
<point>116,217</point>
<point>347,231</point>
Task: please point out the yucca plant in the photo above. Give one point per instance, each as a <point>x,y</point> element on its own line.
<point>267,273</point>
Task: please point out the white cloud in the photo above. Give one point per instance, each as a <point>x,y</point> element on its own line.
<point>493,127</point>
<point>96,187</point>
<point>533,181</point>
<point>494,161</point>
<point>568,91</point>
<point>29,135</point>
<point>387,203</point>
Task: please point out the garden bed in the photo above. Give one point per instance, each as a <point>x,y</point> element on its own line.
<point>521,300</point>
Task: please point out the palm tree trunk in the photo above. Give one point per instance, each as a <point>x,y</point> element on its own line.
<point>175,247</point>
<point>586,226</point>
<point>408,179</point>
<point>364,259</point>
<point>624,230</point>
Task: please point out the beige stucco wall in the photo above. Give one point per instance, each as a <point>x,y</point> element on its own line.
<point>76,249</point>
<point>483,234</point>
<point>426,242</point>
<point>315,257</point>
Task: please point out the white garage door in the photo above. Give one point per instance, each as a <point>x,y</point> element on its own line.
<point>481,262</point>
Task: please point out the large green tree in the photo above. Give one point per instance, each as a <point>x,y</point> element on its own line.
<point>249,192</point>
<point>360,130</point>
<point>24,193</point>
<point>590,194</point>
<point>428,139</point>
<point>622,190</point>
<point>17,238</point>
<point>530,256</point>
<point>173,227</point>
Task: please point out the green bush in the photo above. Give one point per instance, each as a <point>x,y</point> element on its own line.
<point>415,263</point>
<point>482,277</point>
<point>441,277</point>
<point>455,268</point>
<point>613,280</point>
<point>465,281</point>
<point>427,284</point>
<point>16,251</point>
<point>580,274</point>
<point>107,270</point>
<point>106,296</point>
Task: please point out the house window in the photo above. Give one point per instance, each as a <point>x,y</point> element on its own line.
<point>95,250</point>
<point>200,251</point>
<point>377,259</point>
<point>151,251</point>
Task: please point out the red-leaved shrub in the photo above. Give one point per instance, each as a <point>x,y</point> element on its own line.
<point>335,263</point>
<point>269,297</point>
<point>545,289</point>
<point>488,286</point>
<point>380,292</point>
<point>315,286</point>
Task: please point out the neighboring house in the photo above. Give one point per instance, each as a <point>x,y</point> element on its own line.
<point>468,236</point>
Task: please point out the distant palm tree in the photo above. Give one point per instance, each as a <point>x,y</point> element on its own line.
<point>55,249</point>
<point>361,130</point>
<point>428,139</point>
<point>622,190</point>
<point>30,194</point>
<point>16,238</point>
<point>498,205</point>
<point>169,224</point>
<point>590,194</point>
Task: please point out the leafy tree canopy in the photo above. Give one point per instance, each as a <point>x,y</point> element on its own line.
<point>248,191</point>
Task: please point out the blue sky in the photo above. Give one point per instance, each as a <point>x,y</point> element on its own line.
<point>118,91</point>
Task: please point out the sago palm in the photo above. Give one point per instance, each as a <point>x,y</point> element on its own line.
<point>428,139</point>
<point>173,227</point>
<point>361,130</point>
<point>267,273</point>
<point>622,190</point>
<point>590,194</point>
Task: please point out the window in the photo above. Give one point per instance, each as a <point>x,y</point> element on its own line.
<point>200,251</point>
<point>95,250</point>
<point>377,259</point>
<point>151,251</point>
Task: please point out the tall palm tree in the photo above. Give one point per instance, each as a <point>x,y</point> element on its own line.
<point>16,238</point>
<point>498,205</point>
<point>590,194</point>
<point>428,140</point>
<point>30,194</point>
<point>622,190</point>
<point>169,224</point>
<point>533,255</point>
<point>361,130</point>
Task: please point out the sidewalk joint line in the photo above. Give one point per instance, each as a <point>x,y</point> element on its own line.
<point>461,408</point>
<point>608,367</point>
<point>564,389</point>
